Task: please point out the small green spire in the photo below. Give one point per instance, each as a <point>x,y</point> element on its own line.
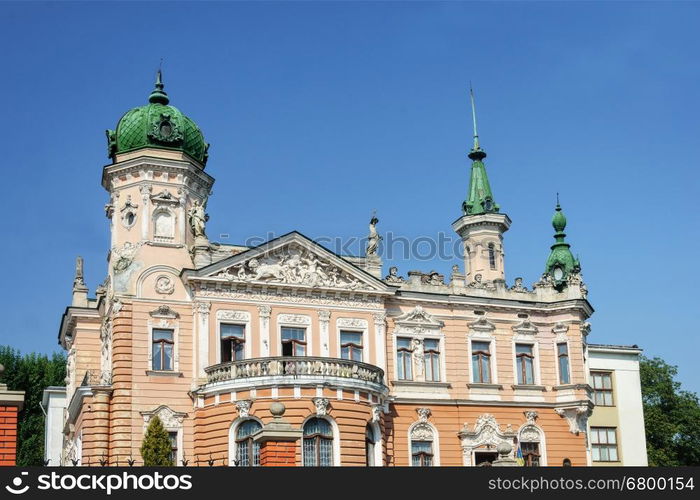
<point>561,262</point>
<point>479,198</point>
<point>159,96</point>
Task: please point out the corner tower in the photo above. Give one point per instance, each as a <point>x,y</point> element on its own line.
<point>158,190</point>
<point>481,226</point>
<point>561,264</point>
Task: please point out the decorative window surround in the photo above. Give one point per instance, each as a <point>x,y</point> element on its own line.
<point>358,326</point>
<point>172,421</point>
<point>173,325</point>
<point>525,331</point>
<point>530,432</point>
<point>235,318</point>
<point>419,325</point>
<point>423,430</point>
<point>336,438</point>
<point>535,364</point>
<point>232,445</point>
<point>486,431</point>
<point>295,321</point>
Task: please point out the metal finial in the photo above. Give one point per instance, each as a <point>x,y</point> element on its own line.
<point>558,206</point>
<point>476,134</point>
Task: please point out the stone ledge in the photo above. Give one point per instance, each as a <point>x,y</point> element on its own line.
<point>163,373</point>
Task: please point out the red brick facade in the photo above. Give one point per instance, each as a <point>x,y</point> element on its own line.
<point>278,454</point>
<point>8,435</point>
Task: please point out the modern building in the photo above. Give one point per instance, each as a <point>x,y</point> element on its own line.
<point>616,427</point>
<point>287,346</point>
<point>53,404</point>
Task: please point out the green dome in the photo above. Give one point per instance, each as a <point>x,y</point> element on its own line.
<point>157,125</point>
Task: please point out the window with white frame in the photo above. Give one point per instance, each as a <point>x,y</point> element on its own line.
<point>317,443</point>
<point>602,388</point>
<point>525,363</point>
<point>431,355</point>
<point>293,341</point>
<point>404,358</point>
<point>247,450</point>
<point>481,362</point>
<point>422,453</point>
<point>232,339</point>
<point>351,345</point>
<point>163,346</point>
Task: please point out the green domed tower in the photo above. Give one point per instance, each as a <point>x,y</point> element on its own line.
<point>561,262</point>
<point>157,125</point>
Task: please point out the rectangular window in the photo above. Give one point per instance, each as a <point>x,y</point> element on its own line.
<point>351,345</point>
<point>162,349</point>
<point>173,447</point>
<point>531,454</point>
<point>563,357</point>
<point>431,349</point>
<point>404,359</point>
<point>293,341</point>
<point>524,363</point>
<point>604,444</point>
<point>422,453</point>
<point>602,388</point>
<point>481,362</point>
<point>232,342</point>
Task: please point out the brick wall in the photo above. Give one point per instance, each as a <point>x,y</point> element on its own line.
<point>278,454</point>
<point>8,435</point>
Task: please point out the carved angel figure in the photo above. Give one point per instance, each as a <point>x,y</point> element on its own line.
<point>373,238</point>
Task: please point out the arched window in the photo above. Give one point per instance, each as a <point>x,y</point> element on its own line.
<point>163,226</point>
<point>318,443</point>
<point>247,451</point>
<point>492,256</point>
<point>370,445</point>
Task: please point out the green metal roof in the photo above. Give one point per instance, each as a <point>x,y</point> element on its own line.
<point>561,257</point>
<point>157,125</point>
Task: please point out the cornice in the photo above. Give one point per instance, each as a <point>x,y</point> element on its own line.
<point>141,163</point>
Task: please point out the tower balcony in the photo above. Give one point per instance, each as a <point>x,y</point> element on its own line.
<point>295,371</point>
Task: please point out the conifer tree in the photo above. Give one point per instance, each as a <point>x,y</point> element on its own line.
<point>156,447</point>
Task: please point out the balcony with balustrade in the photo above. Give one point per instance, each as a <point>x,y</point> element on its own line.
<point>303,371</point>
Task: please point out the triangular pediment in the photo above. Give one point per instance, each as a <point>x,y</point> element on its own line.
<point>290,260</point>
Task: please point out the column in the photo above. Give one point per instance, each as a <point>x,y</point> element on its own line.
<point>278,440</point>
<point>264,314</point>
<point>201,336</point>
<point>380,339</point>
<point>324,318</point>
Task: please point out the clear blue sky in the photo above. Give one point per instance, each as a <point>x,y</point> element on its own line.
<point>320,112</point>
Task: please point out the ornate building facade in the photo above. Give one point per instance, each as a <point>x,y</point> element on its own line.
<point>370,369</point>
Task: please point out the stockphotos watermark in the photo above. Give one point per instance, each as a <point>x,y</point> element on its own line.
<point>101,483</point>
<point>442,246</point>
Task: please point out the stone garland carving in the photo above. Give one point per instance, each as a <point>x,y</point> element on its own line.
<point>233,315</point>
<point>123,256</point>
<point>265,311</point>
<point>352,323</point>
<point>530,434</point>
<point>322,405</point>
<point>422,431</point>
<point>106,352</point>
<point>379,318</point>
<point>486,432</point>
<point>324,315</point>
<point>164,284</point>
<point>201,308</point>
<point>294,319</point>
<point>171,420</point>
<point>243,406</point>
<point>261,296</point>
<point>393,276</point>
<point>293,265</point>
<point>423,414</point>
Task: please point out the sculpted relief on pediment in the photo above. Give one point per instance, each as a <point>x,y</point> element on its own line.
<point>293,264</point>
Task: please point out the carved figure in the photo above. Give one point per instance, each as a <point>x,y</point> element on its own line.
<point>373,238</point>
<point>393,276</point>
<point>197,219</point>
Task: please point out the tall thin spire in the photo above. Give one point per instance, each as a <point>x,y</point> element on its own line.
<point>479,197</point>
<point>476,133</point>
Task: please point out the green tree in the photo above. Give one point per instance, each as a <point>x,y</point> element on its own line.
<point>31,373</point>
<point>671,416</point>
<point>156,447</point>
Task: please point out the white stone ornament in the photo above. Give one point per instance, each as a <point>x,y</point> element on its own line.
<point>164,284</point>
<point>243,406</point>
<point>423,414</point>
<point>321,405</point>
